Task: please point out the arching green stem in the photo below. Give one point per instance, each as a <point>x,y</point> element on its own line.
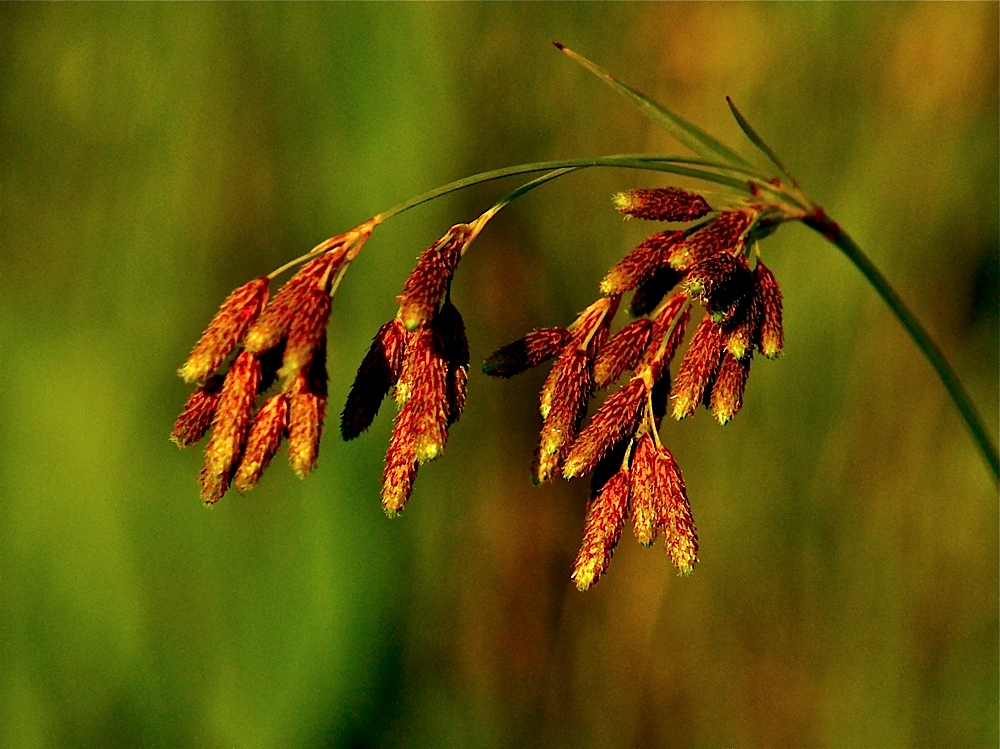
<point>970,414</point>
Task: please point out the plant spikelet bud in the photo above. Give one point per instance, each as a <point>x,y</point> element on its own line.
<point>622,352</point>
<point>651,292</point>
<point>426,409</point>
<point>603,528</point>
<point>722,235</point>
<point>723,282</point>
<point>536,348</point>
<point>223,334</point>
<point>741,340</point>
<point>678,525</point>
<point>378,372</point>
<point>276,319</point>
<point>308,326</point>
<point>697,368</point>
<point>617,417</point>
<point>661,204</point>
<point>730,382</point>
<point>232,420</point>
<point>307,394</point>
<point>196,416</point>
<point>659,354</point>
<point>400,467</point>
<point>640,264</point>
<point>428,281</point>
<point>648,503</point>
<point>454,347</point>
<point>269,427</point>
<point>564,398</point>
<point>771,337</point>
<point>212,486</point>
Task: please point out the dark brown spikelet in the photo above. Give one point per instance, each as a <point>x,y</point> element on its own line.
<point>307,394</point>
<point>454,346</point>
<point>269,427</point>
<point>723,282</point>
<point>536,348</point>
<point>730,382</point>
<point>608,466</point>
<point>622,352</point>
<point>723,234</point>
<point>661,204</point>
<point>697,368</point>
<point>617,417</point>
<point>603,528</point>
<point>274,322</point>
<point>771,337</point>
<point>640,264</point>
<point>225,330</point>
<point>678,524</point>
<point>648,500</point>
<point>378,372</point>
<point>231,424</point>
<point>428,281</point>
<point>196,416</point>
<point>307,328</point>
<point>426,408</point>
<point>651,292</point>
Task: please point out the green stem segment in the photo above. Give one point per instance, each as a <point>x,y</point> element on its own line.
<point>822,223</point>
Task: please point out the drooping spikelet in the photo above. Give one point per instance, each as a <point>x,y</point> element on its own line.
<point>230,425</point>
<point>651,292</point>
<point>225,330</point>
<point>725,233</point>
<point>771,337</point>
<point>697,368</point>
<point>678,525</point>
<point>603,528</point>
<point>672,319</point>
<point>641,263</point>
<point>564,398</point>
<point>426,408</point>
<point>648,502</point>
<point>742,329</point>
<point>622,352</point>
<point>196,416</point>
<point>536,348</point>
<point>307,394</point>
<point>661,204</point>
<point>400,466</point>
<point>268,429</point>
<point>449,327</point>
<point>429,279</point>
<point>723,282</point>
<point>617,417</point>
<point>378,372</point>
<point>730,382</point>
<point>307,328</point>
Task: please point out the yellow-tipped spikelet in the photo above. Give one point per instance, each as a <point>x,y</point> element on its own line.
<point>647,500</point>
<point>427,283</point>
<point>231,423</point>
<point>678,525</point>
<point>697,368</point>
<point>269,427</point>
<point>771,337</point>
<point>307,328</point>
<point>730,382</point>
<point>603,528</point>
<point>661,204</point>
<point>307,396</point>
<point>196,416</point>
<point>617,417</point>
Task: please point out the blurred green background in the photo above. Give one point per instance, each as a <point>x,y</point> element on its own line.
<point>153,157</point>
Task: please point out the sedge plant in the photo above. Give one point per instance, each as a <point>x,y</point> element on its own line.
<point>706,257</point>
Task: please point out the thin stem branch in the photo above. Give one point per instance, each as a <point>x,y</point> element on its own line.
<point>821,223</point>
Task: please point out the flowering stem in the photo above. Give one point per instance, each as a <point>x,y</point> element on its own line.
<point>823,224</point>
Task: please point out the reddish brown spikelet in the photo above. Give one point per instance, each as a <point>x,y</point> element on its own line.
<point>650,292</point>
<point>658,356</point>
<point>276,319</point>
<point>269,426</point>
<point>564,397</point>
<point>232,420</point>
<point>428,281</point>
<point>400,467</point>
<point>771,337</point>
<point>622,352</point>
<point>617,417</point>
<point>725,233</point>
<point>723,282</point>
<point>213,487</point>
<point>678,524</point>
<point>426,410</point>
<point>698,366</point>
<point>196,416</point>
<point>223,334</point>
<point>730,382</point>
<point>307,328</point>
<point>662,204</point>
<point>603,528</point>
<point>536,348</point>
<point>648,504</point>
<point>640,264</point>
<point>377,374</point>
<point>307,394</point>
<point>741,340</point>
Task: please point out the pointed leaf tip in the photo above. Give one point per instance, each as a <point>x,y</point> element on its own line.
<point>748,130</point>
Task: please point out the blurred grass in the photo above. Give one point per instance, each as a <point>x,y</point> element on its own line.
<point>152,157</point>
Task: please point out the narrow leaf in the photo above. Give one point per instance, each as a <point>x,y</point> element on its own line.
<point>758,141</point>
<point>686,132</point>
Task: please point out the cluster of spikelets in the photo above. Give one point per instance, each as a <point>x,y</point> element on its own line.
<point>422,358</point>
<point>707,260</point>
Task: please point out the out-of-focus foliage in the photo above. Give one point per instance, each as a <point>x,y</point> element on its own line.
<point>152,157</point>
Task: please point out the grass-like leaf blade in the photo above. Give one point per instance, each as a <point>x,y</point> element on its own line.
<point>748,130</point>
<point>686,132</point>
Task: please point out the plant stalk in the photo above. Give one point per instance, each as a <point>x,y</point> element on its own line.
<point>823,224</point>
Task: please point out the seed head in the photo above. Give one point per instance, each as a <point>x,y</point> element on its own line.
<point>269,427</point>
<point>771,338</point>
<point>307,394</point>
<point>661,204</point>
<point>617,417</point>
<point>641,263</point>
<point>378,372</point>
<point>723,234</point>
<point>622,352</point>
<point>400,467</point>
<point>730,382</point>
<point>536,348</point>
<point>225,330</point>
<point>698,366</point>
<point>678,526</point>
<point>231,424</point>
<point>196,416</point>
<point>648,503</point>
<point>603,528</point>
<point>744,327</point>
<point>563,401</point>
<point>426,285</point>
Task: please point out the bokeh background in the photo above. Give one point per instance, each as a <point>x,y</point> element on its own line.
<point>153,157</point>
